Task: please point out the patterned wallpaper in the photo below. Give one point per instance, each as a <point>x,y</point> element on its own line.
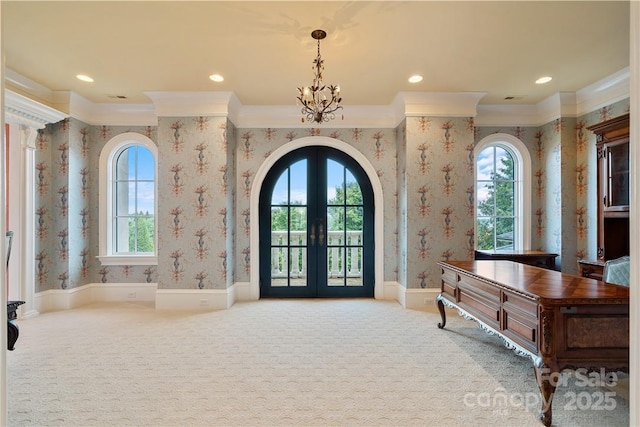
<point>206,168</point>
<point>438,170</point>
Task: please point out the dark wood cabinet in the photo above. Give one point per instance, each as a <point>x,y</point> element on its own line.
<point>612,146</point>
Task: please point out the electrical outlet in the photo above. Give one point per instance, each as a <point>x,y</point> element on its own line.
<point>204,302</point>
<point>132,294</point>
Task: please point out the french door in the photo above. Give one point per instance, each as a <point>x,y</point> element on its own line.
<point>316,227</point>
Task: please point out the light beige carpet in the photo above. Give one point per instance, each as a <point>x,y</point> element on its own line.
<point>280,363</point>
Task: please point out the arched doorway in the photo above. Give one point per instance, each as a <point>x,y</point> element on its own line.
<point>316,226</point>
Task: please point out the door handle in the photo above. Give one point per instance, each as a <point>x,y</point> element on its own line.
<point>312,235</point>
<point>321,234</point>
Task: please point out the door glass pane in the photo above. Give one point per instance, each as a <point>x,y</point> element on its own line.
<point>354,215</point>
<point>279,223</point>
<point>354,194</point>
<point>335,182</point>
<point>345,225</point>
<point>298,185</point>
<point>298,225</point>
<point>335,221</point>
<point>297,266</point>
<point>280,195</point>
<point>289,227</point>
<point>279,266</point>
<point>336,275</point>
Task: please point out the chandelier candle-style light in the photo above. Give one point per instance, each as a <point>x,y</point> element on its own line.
<point>319,101</point>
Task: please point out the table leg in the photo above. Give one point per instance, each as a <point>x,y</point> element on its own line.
<point>12,334</point>
<point>442,313</point>
<point>547,385</point>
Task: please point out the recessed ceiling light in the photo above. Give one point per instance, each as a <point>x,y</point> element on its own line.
<point>84,78</point>
<point>415,79</point>
<point>543,80</point>
<point>216,77</point>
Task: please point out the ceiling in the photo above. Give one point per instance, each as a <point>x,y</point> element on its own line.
<point>264,49</point>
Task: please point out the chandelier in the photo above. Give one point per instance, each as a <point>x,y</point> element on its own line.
<point>319,101</point>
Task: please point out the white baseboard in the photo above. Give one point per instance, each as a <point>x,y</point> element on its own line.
<point>243,292</point>
<point>418,299</point>
<point>195,299</point>
<point>64,299</point>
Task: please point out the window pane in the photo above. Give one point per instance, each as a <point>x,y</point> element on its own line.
<point>143,239</point>
<point>504,164</point>
<point>123,231</point>
<point>504,198</point>
<point>484,164</point>
<point>123,169</point>
<point>146,197</point>
<point>485,234</point>
<point>145,164</point>
<point>485,199</point>
<point>125,198</point>
<point>504,233</point>
<point>496,192</point>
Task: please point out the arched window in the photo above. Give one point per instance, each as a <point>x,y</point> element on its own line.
<point>503,194</point>
<point>128,201</point>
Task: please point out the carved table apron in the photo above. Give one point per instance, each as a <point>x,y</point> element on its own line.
<point>559,320</point>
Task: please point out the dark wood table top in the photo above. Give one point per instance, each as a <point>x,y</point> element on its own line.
<point>547,286</point>
<point>517,253</point>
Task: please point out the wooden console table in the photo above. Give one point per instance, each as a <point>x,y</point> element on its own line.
<point>537,258</point>
<point>559,320</point>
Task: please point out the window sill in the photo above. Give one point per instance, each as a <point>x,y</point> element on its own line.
<point>128,259</point>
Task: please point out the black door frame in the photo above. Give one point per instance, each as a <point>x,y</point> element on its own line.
<point>321,154</point>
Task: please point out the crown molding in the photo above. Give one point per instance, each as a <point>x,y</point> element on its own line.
<point>607,91</point>
<point>110,114</point>
<point>192,104</point>
<point>437,104</point>
<point>22,110</point>
<point>604,92</point>
<point>285,116</point>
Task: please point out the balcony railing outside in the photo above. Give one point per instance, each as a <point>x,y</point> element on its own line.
<point>342,257</point>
